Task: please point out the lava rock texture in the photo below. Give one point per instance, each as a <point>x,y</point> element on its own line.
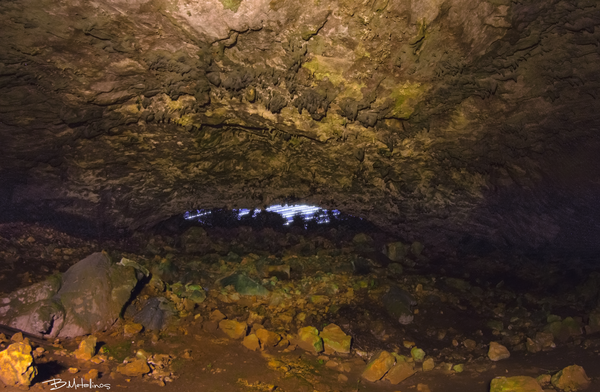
<point>469,123</point>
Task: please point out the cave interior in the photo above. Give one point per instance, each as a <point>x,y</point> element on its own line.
<point>456,141</point>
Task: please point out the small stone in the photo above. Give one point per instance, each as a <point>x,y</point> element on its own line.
<point>17,338</point>
<point>533,346</point>
<point>408,344</point>
<point>378,366</point>
<point>416,248</point>
<point>233,329</point>
<point>217,316</point>
<point>545,340</point>
<point>459,368</point>
<point>267,338</point>
<point>361,239</point>
<point>73,370</point>
<point>544,379</point>
<point>92,375</point>
<point>395,251</point>
<point>132,328</point>
<point>309,340</point>
<point>335,340</point>
<point>470,344</point>
<point>571,379</point>
<point>400,372</point>
<point>16,365</point>
<point>87,348</point>
<point>251,342</point>
<point>342,378</point>
<point>331,364</point>
<point>515,384</point>
<point>497,352</point>
<point>31,240</point>
<point>135,368</point>
<point>428,364</point>
<point>283,344</point>
<point>417,354</point>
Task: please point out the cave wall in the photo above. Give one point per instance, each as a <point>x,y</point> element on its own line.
<point>458,122</point>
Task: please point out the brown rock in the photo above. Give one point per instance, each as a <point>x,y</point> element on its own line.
<point>233,329</point>
<point>251,342</point>
<point>309,340</point>
<point>17,338</point>
<point>335,340</point>
<point>268,338</point>
<point>217,316</point>
<point>132,328</point>
<point>428,364</point>
<point>135,368</point>
<point>379,365</point>
<point>571,379</point>
<point>87,348</point>
<point>92,375</point>
<point>516,384</point>
<point>16,365</point>
<point>400,372</point>
<point>470,344</point>
<point>497,352</point>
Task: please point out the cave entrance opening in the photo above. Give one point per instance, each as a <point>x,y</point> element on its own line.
<point>278,217</point>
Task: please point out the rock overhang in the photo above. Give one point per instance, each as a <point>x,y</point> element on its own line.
<point>455,123</point>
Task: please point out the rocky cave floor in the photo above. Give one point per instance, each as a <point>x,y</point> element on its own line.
<point>543,312</point>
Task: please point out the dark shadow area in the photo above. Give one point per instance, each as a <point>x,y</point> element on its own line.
<point>87,229</point>
<point>47,371</point>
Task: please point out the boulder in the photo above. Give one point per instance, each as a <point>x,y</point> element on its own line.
<point>155,314</point>
<point>137,367</point>
<point>33,310</point>
<point>16,365</point>
<point>395,251</point>
<point>497,352</point>
<point>515,384</point>
<point>417,354</point>
<point>93,294</point>
<point>400,372</point>
<point>571,379</point>
<point>335,340</point>
<point>378,366</point>
<point>309,340</point>
<point>268,338</point>
<point>89,297</point>
<point>233,329</point>
<point>87,348</point>
<point>428,364</point>
<point>251,342</point>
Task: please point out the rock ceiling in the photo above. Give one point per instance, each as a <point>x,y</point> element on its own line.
<point>470,122</point>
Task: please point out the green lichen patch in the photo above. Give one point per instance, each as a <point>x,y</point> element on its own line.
<point>325,67</point>
<point>405,98</point>
<point>232,5</point>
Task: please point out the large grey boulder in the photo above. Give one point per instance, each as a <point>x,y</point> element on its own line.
<point>93,294</point>
<point>33,309</point>
<point>88,298</point>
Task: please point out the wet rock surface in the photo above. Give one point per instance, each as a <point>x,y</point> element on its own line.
<point>326,327</point>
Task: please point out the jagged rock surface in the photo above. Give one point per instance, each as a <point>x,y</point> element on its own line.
<point>451,122</point>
